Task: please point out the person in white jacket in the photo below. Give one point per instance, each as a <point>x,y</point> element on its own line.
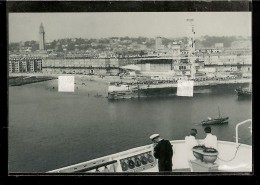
<point>210,140</point>
<point>190,142</point>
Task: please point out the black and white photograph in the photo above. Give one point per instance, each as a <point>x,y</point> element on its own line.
<point>130,92</point>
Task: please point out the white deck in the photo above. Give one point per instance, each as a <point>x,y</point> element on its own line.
<point>230,159</point>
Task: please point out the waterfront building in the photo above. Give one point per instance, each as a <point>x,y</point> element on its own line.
<point>158,44</point>
<point>41,38</point>
<point>171,66</point>
<point>237,51</point>
<point>93,66</point>
<point>219,45</point>
<point>227,59</point>
<point>184,52</point>
<point>209,50</point>
<point>25,64</point>
<point>176,47</point>
<point>213,68</point>
<point>242,44</point>
<point>11,66</point>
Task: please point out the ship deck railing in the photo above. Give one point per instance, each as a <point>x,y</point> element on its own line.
<point>232,157</point>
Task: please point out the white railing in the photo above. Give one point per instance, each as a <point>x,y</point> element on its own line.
<point>243,122</point>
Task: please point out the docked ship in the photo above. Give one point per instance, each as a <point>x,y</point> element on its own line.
<point>244,92</point>
<point>232,157</point>
<point>119,90</point>
<point>140,90</point>
<point>122,91</point>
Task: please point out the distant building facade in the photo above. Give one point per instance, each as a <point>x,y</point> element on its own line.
<point>22,65</point>
<point>219,45</point>
<point>158,44</point>
<point>97,66</point>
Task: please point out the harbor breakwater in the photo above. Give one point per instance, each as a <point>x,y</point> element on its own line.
<point>22,80</point>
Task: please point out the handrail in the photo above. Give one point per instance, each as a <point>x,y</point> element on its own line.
<point>238,126</point>
<point>96,166</point>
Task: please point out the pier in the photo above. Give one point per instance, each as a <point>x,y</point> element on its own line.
<point>23,80</point>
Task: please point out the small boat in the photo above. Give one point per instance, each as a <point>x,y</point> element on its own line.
<point>215,121</point>
<point>244,92</point>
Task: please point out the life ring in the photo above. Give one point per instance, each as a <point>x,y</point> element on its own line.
<point>131,164</point>
<point>124,166</point>
<point>137,162</point>
<point>144,160</point>
<point>150,158</point>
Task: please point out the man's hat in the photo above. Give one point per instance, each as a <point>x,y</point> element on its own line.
<point>154,136</point>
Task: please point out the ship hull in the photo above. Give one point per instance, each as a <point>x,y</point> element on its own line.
<point>169,91</point>
<point>216,121</point>
<point>242,93</point>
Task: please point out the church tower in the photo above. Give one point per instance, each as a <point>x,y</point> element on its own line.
<point>191,45</point>
<point>42,38</point>
<point>191,35</point>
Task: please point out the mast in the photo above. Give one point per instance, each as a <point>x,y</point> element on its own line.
<point>191,45</point>
<point>218,112</point>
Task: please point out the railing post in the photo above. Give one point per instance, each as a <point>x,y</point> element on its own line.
<point>238,126</point>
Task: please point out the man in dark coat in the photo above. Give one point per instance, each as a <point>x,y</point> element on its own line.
<point>163,152</point>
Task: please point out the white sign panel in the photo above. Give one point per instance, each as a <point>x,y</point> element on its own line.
<point>66,84</point>
<point>185,88</point>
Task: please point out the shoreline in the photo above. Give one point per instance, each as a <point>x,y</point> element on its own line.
<point>19,81</point>
<point>130,79</point>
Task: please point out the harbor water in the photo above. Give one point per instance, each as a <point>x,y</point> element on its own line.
<point>48,129</point>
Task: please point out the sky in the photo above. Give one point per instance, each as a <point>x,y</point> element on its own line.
<point>25,26</point>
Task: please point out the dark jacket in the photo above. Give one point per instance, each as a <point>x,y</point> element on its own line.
<point>163,152</point>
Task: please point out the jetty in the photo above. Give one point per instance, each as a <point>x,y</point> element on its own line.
<point>23,80</point>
